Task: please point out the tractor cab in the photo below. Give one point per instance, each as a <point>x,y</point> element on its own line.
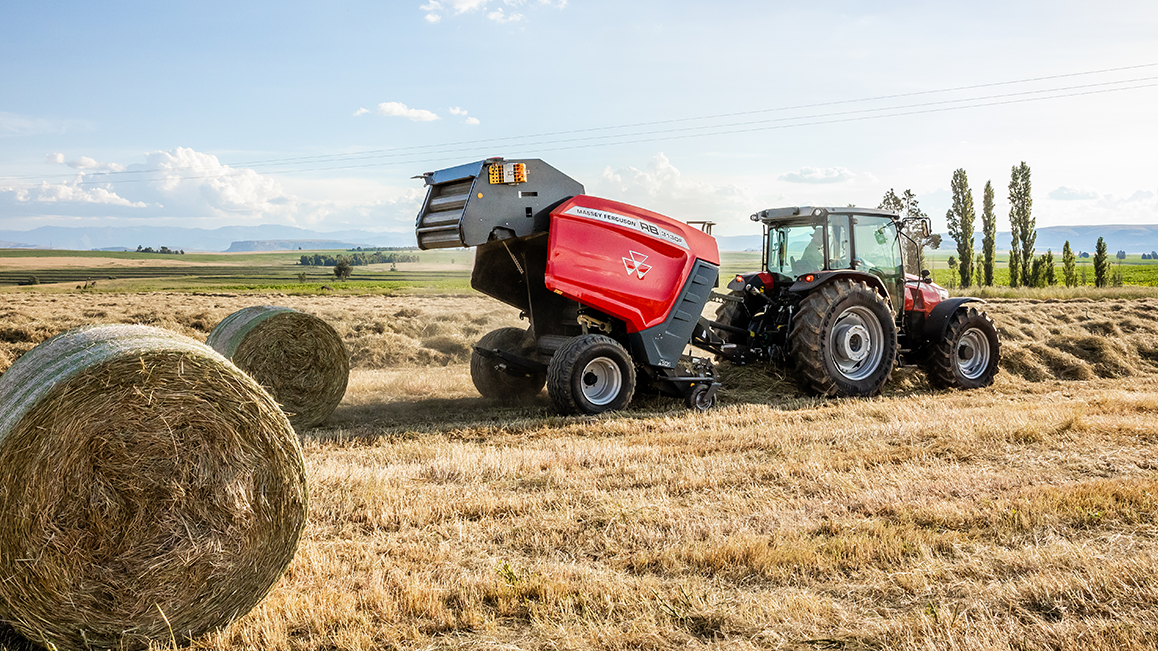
<point>806,241</point>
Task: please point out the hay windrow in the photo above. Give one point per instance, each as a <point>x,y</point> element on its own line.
<point>297,357</point>
<point>144,479</point>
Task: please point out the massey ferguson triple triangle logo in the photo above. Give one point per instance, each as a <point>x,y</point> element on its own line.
<point>635,265</point>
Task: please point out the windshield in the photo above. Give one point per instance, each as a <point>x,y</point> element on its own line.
<point>796,249</point>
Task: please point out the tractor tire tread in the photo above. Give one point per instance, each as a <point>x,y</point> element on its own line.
<point>807,338</point>
<point>939,365</point>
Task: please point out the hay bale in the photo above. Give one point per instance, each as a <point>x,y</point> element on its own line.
<point>297,357</point>
<point>148,488</point>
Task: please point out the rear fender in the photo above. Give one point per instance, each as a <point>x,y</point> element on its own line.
<point>938,320</point>
<point>821,278</point>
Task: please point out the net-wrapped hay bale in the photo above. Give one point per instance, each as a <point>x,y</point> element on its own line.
<point>297,357</point>
<point>148,489</point>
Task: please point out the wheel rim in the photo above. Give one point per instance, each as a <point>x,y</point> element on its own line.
<point>601,381</point>
<point>972,355</point>
<point>856,343</point>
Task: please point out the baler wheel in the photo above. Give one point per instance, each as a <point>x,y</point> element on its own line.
<point>843,340</point>
<point>968,356</point>
<point>494,383</point>
<point>590,374</point>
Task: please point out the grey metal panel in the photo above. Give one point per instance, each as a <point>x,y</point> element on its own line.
<point>468,170</point>
<point>662,345</point>
<point>462,202</point>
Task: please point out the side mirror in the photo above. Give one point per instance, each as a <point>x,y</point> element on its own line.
<point>926,227</point>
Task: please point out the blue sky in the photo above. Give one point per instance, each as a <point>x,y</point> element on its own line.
<point>317,114</point>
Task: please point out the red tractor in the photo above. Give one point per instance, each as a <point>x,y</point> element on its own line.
<point>615,294</point>
<point>833,303</point>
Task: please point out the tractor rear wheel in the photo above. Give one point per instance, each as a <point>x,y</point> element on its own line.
<point>590,374</point>
<point>843,340</point>
<point>968,356</point>
<point>735,314</point>
<point>491,381</point>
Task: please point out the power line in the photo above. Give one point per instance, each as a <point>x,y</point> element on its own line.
<point>684,132</point>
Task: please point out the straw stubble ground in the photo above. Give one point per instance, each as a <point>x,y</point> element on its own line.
<point>1020,516</point>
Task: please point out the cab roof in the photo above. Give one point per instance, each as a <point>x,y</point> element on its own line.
<point>799,213</point>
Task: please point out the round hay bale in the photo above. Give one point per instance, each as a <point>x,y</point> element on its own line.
<point>148,489</point>
<point>297,357</point>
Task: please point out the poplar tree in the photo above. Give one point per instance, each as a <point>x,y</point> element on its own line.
<point>961,218</point>
<point>1069,266</point>
<point>1101,264</point>
<point>989,239</point>
<point>1021,218</point>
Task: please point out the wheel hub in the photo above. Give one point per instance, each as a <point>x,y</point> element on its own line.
<point>972,354</point>
<point>601,381</point>
<point>852,342</point>
<point>856,343</point>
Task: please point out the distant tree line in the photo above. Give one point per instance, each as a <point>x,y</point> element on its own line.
<point>357,259</point>
<point>164,249</point>
<point>382,248</point>
<point>1026,267</point>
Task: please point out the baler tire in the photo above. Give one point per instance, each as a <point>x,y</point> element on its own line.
<point>590,374</point>
<point>969,355</point>
<point>826,366</point>
<point>735,315</point>
<point>496,384</point>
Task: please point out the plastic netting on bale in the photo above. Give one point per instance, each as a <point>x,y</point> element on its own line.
<point>149,490</point>
<point>297,357</point>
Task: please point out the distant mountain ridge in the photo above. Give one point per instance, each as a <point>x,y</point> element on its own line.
<point>1129,237</point>
<point>292,245</point>
<point>86,238</point>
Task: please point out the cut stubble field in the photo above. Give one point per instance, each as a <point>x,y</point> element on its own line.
<point>1021,516</point>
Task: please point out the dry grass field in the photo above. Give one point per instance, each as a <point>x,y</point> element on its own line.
<point>1022,516</point>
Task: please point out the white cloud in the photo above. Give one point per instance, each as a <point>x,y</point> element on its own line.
<point>73,192</point>
<point>185,187</point>
<point>398,109</point>
<point>457,111</point>
<point>818,175</point>
<point>471,121</point>
<point>1066,193</point>
<point>361,111</point>
<point>499,17</point>
<point>663,188</point>
<point>84,163</point>
<point>435,8</point>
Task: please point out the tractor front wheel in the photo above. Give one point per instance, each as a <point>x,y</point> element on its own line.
<point>590,374</point>
<point>493,382</point>
<point>843,340</point>
<point>968,356</point>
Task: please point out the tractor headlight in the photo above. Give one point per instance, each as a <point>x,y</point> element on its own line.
<point>942,292</point>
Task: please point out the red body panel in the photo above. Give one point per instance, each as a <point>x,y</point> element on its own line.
<point>625,261</point>
<point>920,296</point>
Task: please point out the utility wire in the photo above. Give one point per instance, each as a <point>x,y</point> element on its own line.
<point>680,133</point>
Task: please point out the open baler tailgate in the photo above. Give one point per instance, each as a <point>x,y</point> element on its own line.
<point>467,204</point>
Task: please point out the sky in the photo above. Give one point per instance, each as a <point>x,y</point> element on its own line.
<point>317,115</point>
